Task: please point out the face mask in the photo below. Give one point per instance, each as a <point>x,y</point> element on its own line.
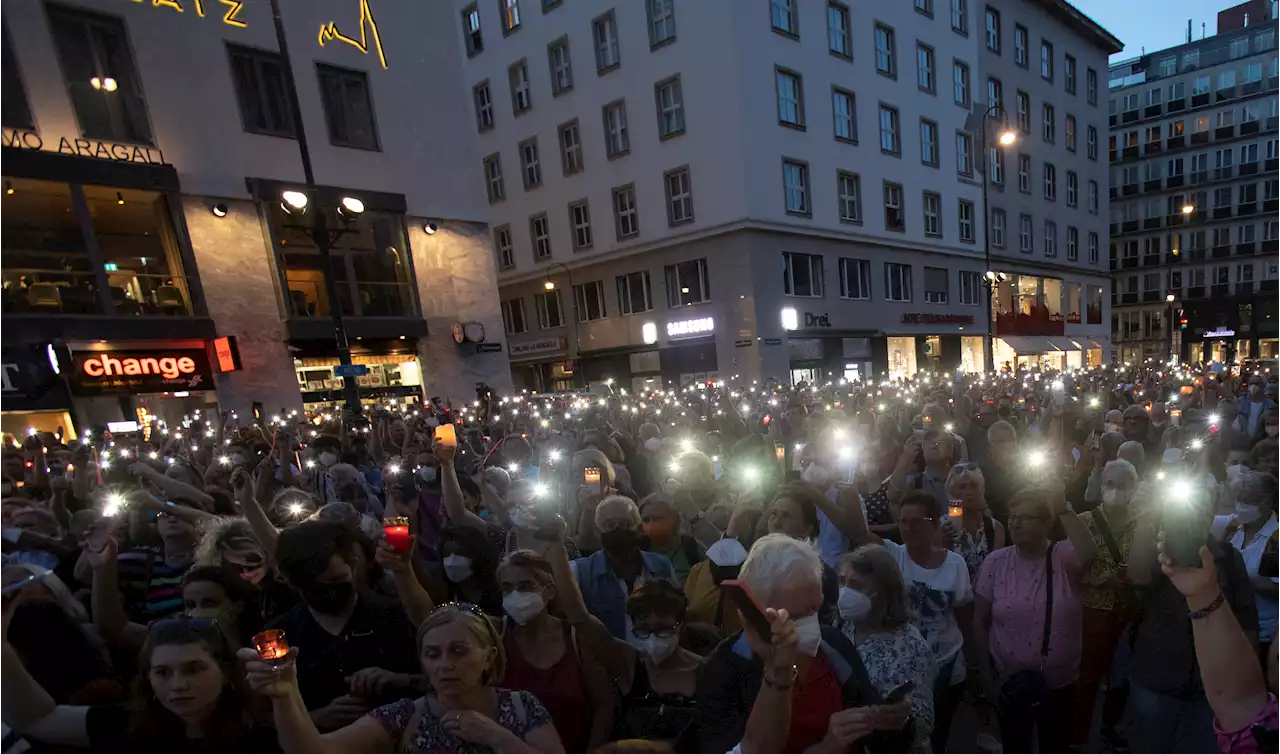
<point>808,636</point>
<point>1111,427</point>
<point>1171,456</point>
<point>1158,425</point>
<point>237,459</point>
<point>522,606</point>
<point>328,459</point>
<point>619,542</point>
<point>816,475</point>
<point>524,519</point>
<point>329,597</point>
<point>653,445</point>
<point>853,605</point>
<point>428,474</point>
<point>1247,514</point>
<point>721,573</point>
<point>457,568</point>
<point>1272,430</point>
<point>1235,472</point>
<point>656,648</point>
<point>1114,497</point>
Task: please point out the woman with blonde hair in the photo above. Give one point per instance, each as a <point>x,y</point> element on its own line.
<point>974,533</point>
<point>231,543</point>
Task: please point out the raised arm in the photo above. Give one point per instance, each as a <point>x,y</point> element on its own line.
<point>451,491</point>
<point>417,602</point>
<point>106,602</point>
<point>30,710</point>
<point>1142,552</point>
<point>174,488</point>
<point>246,495</point>
<point>856,528</point>
<point>1076,531</point>
<point>618,657</point>
<point>898,480</point>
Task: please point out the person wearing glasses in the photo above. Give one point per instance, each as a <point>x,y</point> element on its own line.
<point>926,460</point>
<point>976,533</point>
<point>465,712</point>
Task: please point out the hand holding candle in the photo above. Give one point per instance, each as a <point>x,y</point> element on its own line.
<point>396,530</point>
<point>271,645</point>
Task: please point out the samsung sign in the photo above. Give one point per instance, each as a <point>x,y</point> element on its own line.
<point>688,327</point>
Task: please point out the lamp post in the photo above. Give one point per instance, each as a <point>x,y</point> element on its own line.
<point>550,285</point>
<point>1187,210</point>
<point>1007,138</point>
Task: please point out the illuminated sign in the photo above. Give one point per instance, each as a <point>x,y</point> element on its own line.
<point>101,150</point>
<point>164,370</point>
<point>330,31</point>
<point>226,353</point>
<point>1221,332</point>
<point>690,327</point>
<point>927,318</point>
<point>530,347</point>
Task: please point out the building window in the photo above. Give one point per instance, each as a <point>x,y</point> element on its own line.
<point>617,140</point>
<point>893,215</point>
<point>1093,248</point>
<point>995,93</point>
<point>493,178</point>
<point>1093,197</point>
<point>924,69</point>
<point>965,212</point>
<point>932,214</point>
<point>348,109</point>
<point>795,186</point>
<point>1024,173</point>
<point>561,68</point>
<point>550,311</point>
<point>998,220</point>
<point>1020,42</point>
<point>530,165</point>
<point>783,15</point>
<point>570,147</point>
<point>580,221</point>
<point>839,37</point>
<point>1071,133</point>
<point>635,295</point>
<point>886,55</point>
<point>996,161</point>
<point>960,16</point>
<point>1050,238</point>
<point>670,101</point>
<point>1025,239</point>
<point>844,115</point>
<point>889,141</point>
<point>590,301</point>
<point>929,142</point>
<point>16,110</point>
<point>849,196</point>
<point>1046,60</point>
<point>925,7</point>
<point>1091,143</point>
<point>1050,182</point>
<point>483,99</point>
<point>1073,189</point>
<point>970,288</point>
<point>626,219</point>
<point>662,21</point>
<point>513,316</point>
<point>993,30</point>
<point>540,232</point>
<point>679,192</point>
<point>687,283</point>
<point>93,47</point>
<point>897,281</point>
<point>1022,106</point>
<point>964,153</point>
<point>260,91</point>
<point>1050,121</point>
<point>510,12</point>
<point>518,77</point>
<point>855,279</point>
<point>604,29</point>
<point>1069,74</point>
<point>790,98</point>
<point>502,243</point>
<point>1091,86</point>
<point>1073,244</point>
<point>935,285</point>
<point>471,30</point>
<point>960,83</point>
<point>802,274</point>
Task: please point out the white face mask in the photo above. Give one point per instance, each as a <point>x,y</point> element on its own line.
<point>653,445</point>
<point>1247,514</point>
<point>1236,472</point>
<point>853,605</point>
<point>1272,430</point>
<point>524,519</point>
<point>1114,497</point>
<point>457,568</point>
<point>808,636</point>
<point>655,648</point>
<point>1111,427</point>
<point>524,606</point>
<point>428,473</point>
<point>237,459</point>
<point>328,459</point>
<point>816,475</point>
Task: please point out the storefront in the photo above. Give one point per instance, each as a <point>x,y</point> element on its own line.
<point>542,365</point>
<point>392,378</point>
<point>34,394</point>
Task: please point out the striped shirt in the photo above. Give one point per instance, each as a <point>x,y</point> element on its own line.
<point>152,589</point>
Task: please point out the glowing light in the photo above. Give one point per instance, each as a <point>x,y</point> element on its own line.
<point>296,509</point>
<point>1036,458</point>
<point>513,467</point>
<point>114,503</point>
<point>224,460</point>
<point>750,473</point>
<point>541,490</point>
<point>394,468</point>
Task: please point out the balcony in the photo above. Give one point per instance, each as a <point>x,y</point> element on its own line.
<point>1129,189</point>
<point>1111,120</point>
<point>1224,132</point>
<point>1246,209</point>
<point>1250,127</point>
<point>1273,122</point>
<point>1195,291</point>
<point>1250,87</point>
<point>1150,260</point>
<point>1271,205</point>
<point>1219,291</point>
<point>1175,142</point>
<point>1226,93</point>
<point>1151,223</point>
<point>1151,111</point>
<point>1221,213</point>
<point>1195,255</point>
<point>1248,168</point>
<point>1223,174</point>
<point>1200,100</point>
<point>1129,153</point>
<point>1245,249</point>
<point>1272,163</point>
<point>1129,263</point>
<point>1129,116</point>
<point>1267,286</point>
<point>1129,298</point>
<point>1200,137</point>
<point>1113,192</point>
<point>1174,181</point>
<point>1176,105</point>
<point>1112,155</point>
<point>1200,176</point>
<point>1151,185</point>
<point>1271,247</point>
<point>1221,251</point>
<point>1129,226</point>
<point>1149,297</point>
<point>1151,147</point>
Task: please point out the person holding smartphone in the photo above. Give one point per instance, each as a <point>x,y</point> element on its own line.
<point>1252,529</point>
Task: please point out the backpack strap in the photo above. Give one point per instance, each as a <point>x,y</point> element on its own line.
<point>1108,537</point>
<point>1048,604</point>
<point>989,529</point>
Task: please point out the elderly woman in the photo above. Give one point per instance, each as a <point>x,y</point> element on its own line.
<point>833,704</point>
<point>876,617</point>
<point>1032,591</point>
<point>661,521</point>
<point>462,657</point>
<point>976,533</point>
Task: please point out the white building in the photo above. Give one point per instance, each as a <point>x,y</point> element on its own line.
<point>707,173</point>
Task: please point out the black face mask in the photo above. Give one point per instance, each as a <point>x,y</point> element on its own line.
<point>328,597</point>
<point>721,573</point>
<point>620,541</point>
<point>1003,411</point>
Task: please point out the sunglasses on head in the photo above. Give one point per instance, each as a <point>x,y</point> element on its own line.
<point>962,467</point>
<point>184,621</point>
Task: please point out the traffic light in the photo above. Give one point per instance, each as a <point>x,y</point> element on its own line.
<point>1182,323</point>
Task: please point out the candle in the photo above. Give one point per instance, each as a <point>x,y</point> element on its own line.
<point>780,451</point>
<point>396,531</point>
<point>271,645</point>
<point>955,511</point>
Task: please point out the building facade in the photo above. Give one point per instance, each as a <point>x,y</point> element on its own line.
<point>685,189</point>
<point>150,266</point>
<point>1194,230</point>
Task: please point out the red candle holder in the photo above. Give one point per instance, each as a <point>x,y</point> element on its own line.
<point>272,646</point>
<point>396,530</point>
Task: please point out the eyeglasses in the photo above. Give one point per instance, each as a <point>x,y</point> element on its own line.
<point>661,633</point>
<point>960,468</point>
<point>1018,520</point>
<point>913,522</point>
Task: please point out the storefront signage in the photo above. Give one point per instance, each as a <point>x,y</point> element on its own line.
<point>488,347</point>
<point>816,320</point>
<point>29,379</point>
<point>928,318</point>
<point>531,347</point>
<point>1221,332</point>
<point>137,372</point>
<point>101,150</point>
<point>772,341</point>
<point>744,343</point>
<point>689,327</point>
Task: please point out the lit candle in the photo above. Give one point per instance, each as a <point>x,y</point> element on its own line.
<point>397,533</point>
<point>271,645</point>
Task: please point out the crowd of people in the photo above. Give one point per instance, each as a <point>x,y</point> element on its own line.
<point>1024,561</point>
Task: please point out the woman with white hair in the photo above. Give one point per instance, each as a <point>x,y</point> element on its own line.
<point>975,533</point>
<point>834,701</point>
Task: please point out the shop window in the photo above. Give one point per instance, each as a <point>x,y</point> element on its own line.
<point>46,266</point>
<point>902,357</point>
<point>97,63</point>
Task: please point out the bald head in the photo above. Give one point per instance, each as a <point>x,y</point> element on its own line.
<point>1133,452</point>
<point>1110,443</point>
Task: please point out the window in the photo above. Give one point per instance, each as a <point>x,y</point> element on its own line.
<point>1024,234</point>
<point>471,30</point>
<point>91,47</point>
<point>502,244</point>
<point>260,91</point>
<point>530,165</point>
<point>964,153</point>
<point>1093,197</point>
<point>1069,74</point>
<point>570,147</point>
<point>783,15</point>
<point>518,77</point>
<point>1046,60</point>
<point>1050,238</point>
<point>347,107</point>
<point>844,115</point>
<point>687,283</point>
<point>626,219</point>
<point>1091,142</point>
<point>965,213</point>
<point>483,99</point>
<point>1200,85</point>
<point>670,100</point>
<point>1050,182</point>
<point>493,178</point>
<point>993,30</point>
<point>1022,106</point>
<point>801,274</point>
<point>996,172</point>
<point>960,16</point>
<point>1091,86</point>
<point>889,142</point>
<point>960,83</point>
<point>970,288</point>
<point>580,221</point>
<point>790,98</point>
<point>1227,79</point>
<point>1252,73</point>
<point>679,196</point>
<point>589,298</point>
<point>897,281</point>
<point>924,68</point>
<point>839,37</point>
<point>998,220</point>
<point>932,214</point>
<point>662,21</point>
<point>1073,189</point>
<point>1093,248</point>
<point>513,316</point>
<point>510,12</point>
<point>550,311</point>
<point>893,216</point>
<point>540,232</point>
<point>795,185</point>
<point>855,279</point>
<point>935,285</point>
<point>995,93</point>
<point>1071,133</point>
<point>886,56</point>
<point>635,295</point>
<point>1050,124</point>
<point>604,29</point>
<point>929,142</point>
<point>1024,173</point>
<point>617,140</point>
<point>561,69</point>
<point>849,196</point>
<point>1020,42</point>
<point>16,110</point>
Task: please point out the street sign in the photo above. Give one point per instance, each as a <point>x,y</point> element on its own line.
<point>350,370</point>
<point>488,347</point>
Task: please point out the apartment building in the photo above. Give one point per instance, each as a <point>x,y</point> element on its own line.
<point>1194,235</point>
<point>775,188</point>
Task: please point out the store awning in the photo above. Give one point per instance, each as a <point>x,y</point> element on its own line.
<point>1099,342</point>
<point>1060,343</point>
<point>1026,344</point>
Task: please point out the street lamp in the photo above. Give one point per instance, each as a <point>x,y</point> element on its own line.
<point>1188,209</point>
<point>1007,137</point>
<point>550,285</point>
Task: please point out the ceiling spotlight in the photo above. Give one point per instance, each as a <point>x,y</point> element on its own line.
<point>352,206</point>
<point>219,210</point>
<point>430,229</point>
<point>119,198</point>
<point>294,201</point>
<point>106,83</point>
<point>8,187</point>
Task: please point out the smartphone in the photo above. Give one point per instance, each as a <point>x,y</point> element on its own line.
<point>928,422</point>
<point>847,470</point>
<point>446,436</point>
<point>24,582</point>
<point>747,604</point>
<point>591,475</point>
<point>1175,417</point>
<point>1184,534</point>
<point>1269,566</point>
<point>900,693</point>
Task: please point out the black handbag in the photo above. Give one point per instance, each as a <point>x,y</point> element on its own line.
<point>1027,689</point>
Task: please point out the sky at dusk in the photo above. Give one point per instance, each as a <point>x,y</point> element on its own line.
<point>1157,24</point>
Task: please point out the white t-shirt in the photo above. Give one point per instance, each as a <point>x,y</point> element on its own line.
<point>934,594</point>
<point>1251,551</point>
